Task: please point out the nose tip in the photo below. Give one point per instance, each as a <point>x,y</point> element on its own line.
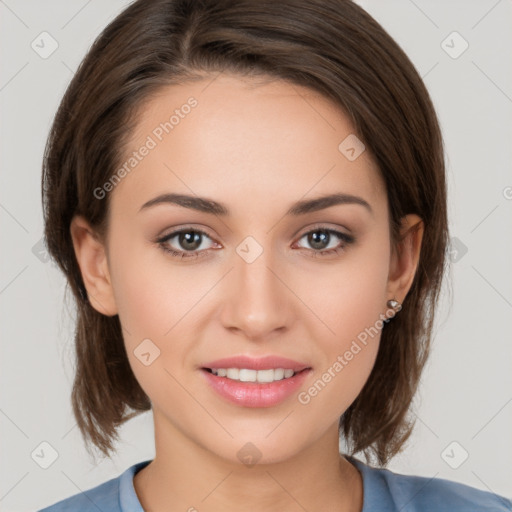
<point>256,302</point>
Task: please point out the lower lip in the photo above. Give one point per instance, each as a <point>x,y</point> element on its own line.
<point>254,394</point>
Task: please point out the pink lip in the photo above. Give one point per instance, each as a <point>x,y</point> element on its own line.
<point>254,394</point>
<point>262,363</point>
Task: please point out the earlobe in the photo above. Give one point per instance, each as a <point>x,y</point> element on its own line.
<point>92,260</point>
<point>405,257</point>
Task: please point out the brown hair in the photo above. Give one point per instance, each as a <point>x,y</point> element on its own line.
<point>331,46</point>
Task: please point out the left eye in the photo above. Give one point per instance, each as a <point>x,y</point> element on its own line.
<point>319,237</point>
<point>191,240</point>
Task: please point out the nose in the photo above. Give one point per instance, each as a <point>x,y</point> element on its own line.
<point>257,301</point>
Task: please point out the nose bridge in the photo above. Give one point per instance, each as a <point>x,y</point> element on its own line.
<point>257,301</point>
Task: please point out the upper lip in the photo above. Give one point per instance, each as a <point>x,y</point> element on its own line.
<point>260,363</point>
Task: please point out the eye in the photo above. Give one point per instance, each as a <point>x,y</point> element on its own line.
<point>188,239</point>
<point>322,237</point>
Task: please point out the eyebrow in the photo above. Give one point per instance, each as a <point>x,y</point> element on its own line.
<point>213,207</point>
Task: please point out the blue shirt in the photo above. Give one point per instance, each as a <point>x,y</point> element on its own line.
<point>384,491</point>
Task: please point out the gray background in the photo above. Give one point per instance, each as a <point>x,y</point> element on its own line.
<point>466,393</point>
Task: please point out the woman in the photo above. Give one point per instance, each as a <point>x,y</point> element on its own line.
<point>210,163</point>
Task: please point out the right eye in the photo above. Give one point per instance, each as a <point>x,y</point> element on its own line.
<point>188,238</point>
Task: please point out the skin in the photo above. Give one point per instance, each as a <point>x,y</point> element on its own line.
<point>257,146</point>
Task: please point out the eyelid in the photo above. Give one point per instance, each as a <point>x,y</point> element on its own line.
<point>186,227</point>
<point>325,227</point>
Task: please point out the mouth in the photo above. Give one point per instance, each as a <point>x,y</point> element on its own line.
<point>255,387</point>
<point>249,381</point>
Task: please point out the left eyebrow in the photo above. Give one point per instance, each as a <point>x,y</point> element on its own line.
<point>299,208</point>
<point>320,203</point>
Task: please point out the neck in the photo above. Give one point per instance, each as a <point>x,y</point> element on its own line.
<point>187,477</point>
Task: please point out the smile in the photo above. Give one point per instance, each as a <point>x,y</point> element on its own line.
<point>273,388</point>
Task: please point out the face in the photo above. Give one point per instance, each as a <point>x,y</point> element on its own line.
<point>250,278</point>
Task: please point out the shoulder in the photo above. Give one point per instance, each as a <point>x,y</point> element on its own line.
<point>387,491</point>
<point>115,495</point>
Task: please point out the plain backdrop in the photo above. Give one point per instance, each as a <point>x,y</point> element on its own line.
<point>464,406</point>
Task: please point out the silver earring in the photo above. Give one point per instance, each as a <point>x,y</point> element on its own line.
<point>393,304</point>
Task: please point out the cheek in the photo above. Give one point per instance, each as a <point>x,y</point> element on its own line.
<point>153,313</point>
<point>348,356</point>
<point>152,294</point>
<point>349,302</point>
<point>349,297</point>
<point>156,301</point>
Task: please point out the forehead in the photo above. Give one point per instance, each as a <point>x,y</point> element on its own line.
<point>237,139</point>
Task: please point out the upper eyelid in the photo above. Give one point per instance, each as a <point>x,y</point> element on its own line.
<point>319,226</point>
<point>175,231</point>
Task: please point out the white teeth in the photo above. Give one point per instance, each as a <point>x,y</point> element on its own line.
<point>247,375</point>
<point>233,373</point>
<point>278,374</point>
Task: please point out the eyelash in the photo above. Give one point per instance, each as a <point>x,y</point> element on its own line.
<point>346,239</point>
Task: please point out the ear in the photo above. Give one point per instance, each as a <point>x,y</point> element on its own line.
<point>405,257</point>
<point>92,260</point>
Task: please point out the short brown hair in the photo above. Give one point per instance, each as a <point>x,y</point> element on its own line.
<point>331,46</point>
